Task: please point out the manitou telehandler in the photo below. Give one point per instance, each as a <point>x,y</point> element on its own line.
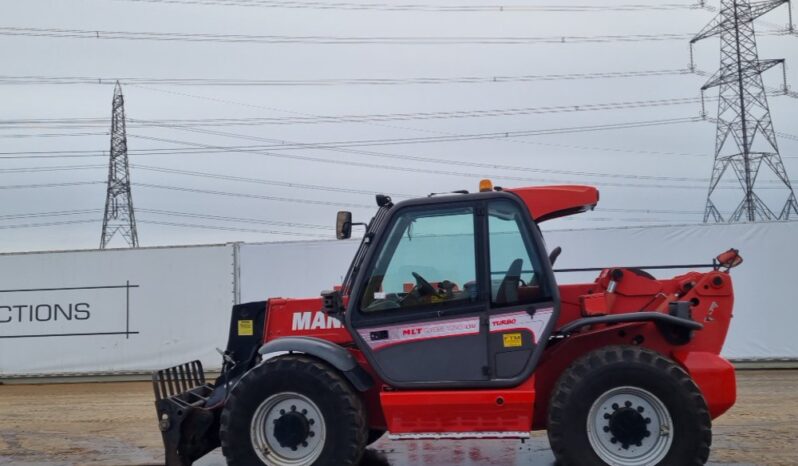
<point>450,325</point>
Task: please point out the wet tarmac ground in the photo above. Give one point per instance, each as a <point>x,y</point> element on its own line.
<point>114,424</point>
<point>532,452</point>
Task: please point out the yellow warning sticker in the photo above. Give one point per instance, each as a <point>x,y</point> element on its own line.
<point>512,340</point>
<point>245,328</point>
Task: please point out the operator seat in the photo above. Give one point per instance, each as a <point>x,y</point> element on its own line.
<point>508,290</point>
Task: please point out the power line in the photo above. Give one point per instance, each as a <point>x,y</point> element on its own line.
<point>249,105</point>
<point>56,154</point>
<point>47,224</point>
<point>66,80</point>
<point>51,135</point>
<point>472,136</point>
<point>481,165</point>
<point>253,196</point>
<point>298,225</point>
<point>356,118</point>
<point>337,40</point>
<point>236,229</point>
<point>289,184</point>
<point>431,7</point>
<point>237,219</point>
<point>52,154</point>
<point>361,118</point>
<point>426,171</point>
<point>651,211</point>
<point>478,113</point>
<point>51,169</point>
<point>415,129</point>
<point>50,185</point>
<point>285,184</point>
<point>59,213</point>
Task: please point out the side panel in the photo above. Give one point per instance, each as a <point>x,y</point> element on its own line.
<point>303,318</point>
<point>440,349</point>
<point>460,410</point>
<point>513,338</point>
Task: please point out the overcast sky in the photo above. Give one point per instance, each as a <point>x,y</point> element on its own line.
<point>660,168</point>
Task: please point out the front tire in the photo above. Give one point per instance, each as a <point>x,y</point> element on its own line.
<point>293,410</point>
<point>628,406</point>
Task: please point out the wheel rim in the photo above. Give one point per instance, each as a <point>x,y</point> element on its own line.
<point>288,429</point>
<point>629,426</point>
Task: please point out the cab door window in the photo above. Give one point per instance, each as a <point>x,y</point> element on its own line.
<point>427,260</point>
<point>514,263</point>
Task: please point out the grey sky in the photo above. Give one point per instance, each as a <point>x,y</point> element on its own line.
<point>653,151</point>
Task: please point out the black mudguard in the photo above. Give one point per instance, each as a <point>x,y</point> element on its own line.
<point>188,407</point>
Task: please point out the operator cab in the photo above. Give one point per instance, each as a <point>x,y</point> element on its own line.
<point>456,290</point>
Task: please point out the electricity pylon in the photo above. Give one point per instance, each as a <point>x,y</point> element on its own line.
<point>118,200</point>
<point>745,138</point>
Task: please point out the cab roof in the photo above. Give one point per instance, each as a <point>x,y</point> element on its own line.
<point>549,202</point>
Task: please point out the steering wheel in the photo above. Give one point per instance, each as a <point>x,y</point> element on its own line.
<point>423,286</point>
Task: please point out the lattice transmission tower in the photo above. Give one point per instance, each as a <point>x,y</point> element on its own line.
<point>119,217</point>
<point>745,139</point>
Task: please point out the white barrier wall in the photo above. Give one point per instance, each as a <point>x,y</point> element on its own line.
<point>113,311</point>
<point>145,309</point>
<point>765,318</point>
<point>299,269</point>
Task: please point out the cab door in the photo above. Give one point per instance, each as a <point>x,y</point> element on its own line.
<point>418,312</point>
<point>522,302</point>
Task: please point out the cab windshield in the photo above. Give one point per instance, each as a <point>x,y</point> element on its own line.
<point>428,259</point>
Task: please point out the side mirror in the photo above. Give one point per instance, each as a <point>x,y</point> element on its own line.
<point>343,225</point>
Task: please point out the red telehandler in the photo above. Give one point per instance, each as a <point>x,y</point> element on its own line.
<point>450,325</point>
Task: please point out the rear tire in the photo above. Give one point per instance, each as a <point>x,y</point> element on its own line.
<point>374,435</point>
<point>293,410</point>
<point>628,406</point>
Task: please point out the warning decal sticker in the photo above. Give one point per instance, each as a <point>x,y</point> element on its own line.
<point>512,340</point>
<point>245,328</point>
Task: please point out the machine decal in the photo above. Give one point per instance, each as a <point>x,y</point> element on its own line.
<point>521,320</point>
<point>381,337</point>
<point>317,320</point>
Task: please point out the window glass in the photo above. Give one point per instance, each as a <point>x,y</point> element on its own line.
<point>513,261</point>
<point>427,259</point>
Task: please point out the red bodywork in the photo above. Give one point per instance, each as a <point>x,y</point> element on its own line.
<point>524,407</point>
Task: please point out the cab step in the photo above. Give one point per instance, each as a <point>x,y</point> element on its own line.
<point>459,435</point>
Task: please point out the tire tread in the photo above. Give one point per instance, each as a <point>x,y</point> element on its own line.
<point>580,371</point>
<point>326,376</point>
